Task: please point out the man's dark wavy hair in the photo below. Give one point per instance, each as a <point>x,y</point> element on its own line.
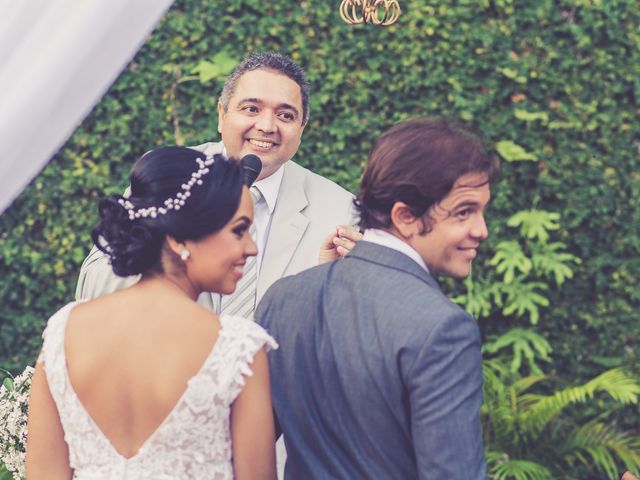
<point>417,162</point>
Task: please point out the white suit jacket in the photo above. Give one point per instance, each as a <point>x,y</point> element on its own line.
<point>307,209</point>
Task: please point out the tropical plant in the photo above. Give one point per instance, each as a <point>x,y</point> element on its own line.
<point>524,270</point>
<point>533,436</point>
<point>533,431</point>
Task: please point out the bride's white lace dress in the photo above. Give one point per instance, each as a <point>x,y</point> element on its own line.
<point>193,441</point>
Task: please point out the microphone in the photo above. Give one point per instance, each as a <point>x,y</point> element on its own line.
<point>251,164</point>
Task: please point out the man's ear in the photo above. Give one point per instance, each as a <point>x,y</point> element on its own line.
<point>221,113</point>
<point>175,246</point>
<point>405,222</point>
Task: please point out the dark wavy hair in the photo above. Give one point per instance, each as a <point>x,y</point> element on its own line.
<point>135,246</point>
<point>417,162</point>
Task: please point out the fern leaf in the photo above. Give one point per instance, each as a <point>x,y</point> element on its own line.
<point>503,468</point>
<point>541,409</point>
<point>598,444</point>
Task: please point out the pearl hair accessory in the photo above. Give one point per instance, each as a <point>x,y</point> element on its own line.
<point>185,254</point>
<point>171,203</point>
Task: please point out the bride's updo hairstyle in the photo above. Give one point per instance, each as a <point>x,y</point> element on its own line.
<point>132,230</point>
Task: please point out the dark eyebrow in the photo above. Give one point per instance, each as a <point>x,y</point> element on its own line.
<point>259,101</point>
<point>242,219</point>
<point>289,107</point>
<point>470,203</point>
<point>250,100</point>
<point>467,203</point>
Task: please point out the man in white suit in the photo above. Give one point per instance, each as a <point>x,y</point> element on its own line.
<point>300,217</point>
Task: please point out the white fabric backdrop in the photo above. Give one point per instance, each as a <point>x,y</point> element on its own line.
<point>57,58</point>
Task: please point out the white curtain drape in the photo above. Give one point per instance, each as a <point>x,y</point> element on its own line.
<point>57,58</point>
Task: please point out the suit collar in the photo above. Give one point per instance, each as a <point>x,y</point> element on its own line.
<point>390,258</point>
<point>386,239</point>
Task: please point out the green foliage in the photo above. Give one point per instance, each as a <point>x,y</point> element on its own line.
<point>525,269</point>
<point>527,343</point>
<point>530,435</point>
<point>557,79</point>
<point>526,426</point>
<point>541,409</point>
<point>510,259</point>
<point>555,85</point>
<point>507,469</point>
<point>512,152</point>
<point>218,68</point>
<point>535,224</point>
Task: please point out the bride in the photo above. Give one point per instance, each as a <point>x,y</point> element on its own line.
<point>145,383</point>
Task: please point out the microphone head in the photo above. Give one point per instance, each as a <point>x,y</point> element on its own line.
<point>252,165</point>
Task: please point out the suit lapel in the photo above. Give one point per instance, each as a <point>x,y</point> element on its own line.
<point>288,225</point>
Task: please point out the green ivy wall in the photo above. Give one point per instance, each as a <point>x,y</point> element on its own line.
<point>560,80</point>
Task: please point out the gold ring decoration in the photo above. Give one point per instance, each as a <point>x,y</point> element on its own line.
<point>375,12</point>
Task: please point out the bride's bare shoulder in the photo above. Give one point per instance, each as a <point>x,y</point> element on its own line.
<point>131,309</point>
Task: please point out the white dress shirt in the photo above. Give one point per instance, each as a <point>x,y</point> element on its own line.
<point>262,214</point>
<point>263,211</point>
<point>386,239</point>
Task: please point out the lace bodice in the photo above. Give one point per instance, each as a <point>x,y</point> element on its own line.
<point>194,439</point>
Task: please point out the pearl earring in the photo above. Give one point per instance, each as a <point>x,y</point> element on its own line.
<point>185,255</point>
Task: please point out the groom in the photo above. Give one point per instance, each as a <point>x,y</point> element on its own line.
<point>378,374</point>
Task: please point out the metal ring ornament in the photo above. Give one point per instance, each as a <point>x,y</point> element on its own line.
<point>350,17</point>
<point>375,12</point>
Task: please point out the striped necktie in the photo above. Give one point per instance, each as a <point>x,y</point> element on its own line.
<point>242,302</point>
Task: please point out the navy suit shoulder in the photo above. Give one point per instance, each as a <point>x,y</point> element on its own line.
<point>284,287</point>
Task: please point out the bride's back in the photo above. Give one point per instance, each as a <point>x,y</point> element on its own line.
<point>130,355</point>
<point>143,383</point>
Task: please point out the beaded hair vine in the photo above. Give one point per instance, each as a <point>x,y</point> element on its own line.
<point>172,203</point>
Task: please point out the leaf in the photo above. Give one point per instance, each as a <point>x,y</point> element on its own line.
<point>509,259</point>
<point>523,343</point>
<point>219,67</point>
<point>535,223</point>
<point>607,362</point>
<point>512,74</point>
<point>523,299</point>
<point>531,116</point>
<point>523,424</point>
<point>616,383</point>
<point>597,443</point>
<point>564,125</point>
<point>477,300</point>
<point>520,470</point>
<point>8,384</point>
<point>206,71</point>
<point>513,152</point>
<point>550,260</point>
<point>224,62</point>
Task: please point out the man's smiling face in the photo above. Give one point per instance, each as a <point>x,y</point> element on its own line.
<point>457,228</point>
<point>264,117</point>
